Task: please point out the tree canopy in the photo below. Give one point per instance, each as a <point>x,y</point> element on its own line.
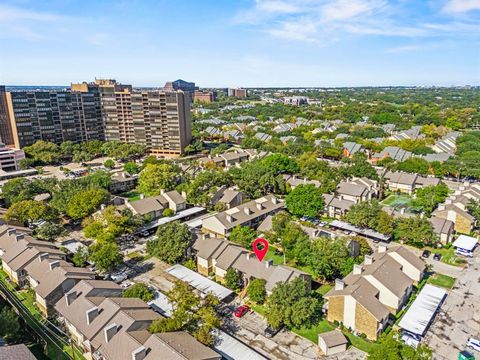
<point>171,243</point>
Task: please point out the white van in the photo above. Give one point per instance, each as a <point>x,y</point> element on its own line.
<point>474,344</point>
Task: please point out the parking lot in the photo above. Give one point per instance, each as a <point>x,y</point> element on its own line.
<point>285,345</point>
<point>459,317</point>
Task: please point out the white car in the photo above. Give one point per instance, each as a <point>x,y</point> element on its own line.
<point>126,284</point>
<point>118,278</point>
<point>463,252</point>
<point>473,344</point>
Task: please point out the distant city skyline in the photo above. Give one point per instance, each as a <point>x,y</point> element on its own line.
<point>247,43</point>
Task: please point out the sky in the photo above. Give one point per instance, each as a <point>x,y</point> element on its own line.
<point>250,43</point>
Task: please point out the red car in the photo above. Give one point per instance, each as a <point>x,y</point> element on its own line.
<point>241,310</point>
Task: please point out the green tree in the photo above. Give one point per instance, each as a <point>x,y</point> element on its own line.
<point>86,202</point>
<point>393,349</point>
<point>190,312</point>
<point>190,264</point>
<point>43,152</point>
<point>17,190</point>
<point>9,325</point>
<point>242,235</point>
<point>168,212</point>
<point>109,164</point>
<point>80,257</point>
<point>305,200</point>
<point>171,244</point>
<point>232,279</point>
<point>415,231</point>
<point>256,291</point>
<point>139,290</point>
<point>328,258</point>
<point>31,210</point>
<point>429,197</point>
<point>131,168</point>
<point>370,214</point>
<point>154,178</point>
<point>292,305</point>
<point>50,231</point>
<point>105,255</point>
<point>473,208</point>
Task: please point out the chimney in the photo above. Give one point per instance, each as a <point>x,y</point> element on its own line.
<point>139,354</point>
<point>20,237</point>
<point>448,201</point>
<point>422,214</point>
<point>42,257</point>
<point>142,196</point>
<point>402,211</point>
<point>124,175</point>
<point>102,206</point>
<point>184,195</point>
<point>162,191</point>
<point>229,218</point>
<point>382,248</point>
<point>357,269</point>
<point>92,314</point>
<point>339,284</point>
<point>11,231</point>
<point>247,210</point>
<point>268,263</point>
<point>70,297</point>
<point>259,206</point>
<point>249,255</point>
<point>368,260</point>
<point>274,200</point>
<point>109,332</point>
<point>54,264</point>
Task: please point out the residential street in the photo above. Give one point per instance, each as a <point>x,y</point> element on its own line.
<point>459,316</point>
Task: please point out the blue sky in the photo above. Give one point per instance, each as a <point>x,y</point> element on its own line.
<point>241,42</point>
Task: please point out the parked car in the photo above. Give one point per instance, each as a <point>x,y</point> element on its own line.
<point>463,252</point>
<point>118,277</point>
<point>270,331</point>
<point>241,310</point>
<point>426,254</point>
<point>437,256</point>
<point>126,284</point>
<point>145,233</point>
<point>473,344</point>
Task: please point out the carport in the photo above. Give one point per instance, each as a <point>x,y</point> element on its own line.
<point>419,316</point>
<point>199,282</point>
<point>465,243</point>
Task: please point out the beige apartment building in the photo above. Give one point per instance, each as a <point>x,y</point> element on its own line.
<point>158,119</point>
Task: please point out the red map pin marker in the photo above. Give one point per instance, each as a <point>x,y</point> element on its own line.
<point>260,252</point>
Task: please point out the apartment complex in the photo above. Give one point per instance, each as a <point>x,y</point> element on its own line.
<point>364,300</point>
<point>10,158</point>
<point>204,96</point>
<point>55,116</point>
<point>237,92</point>
<point>158,119</point>
<point>102,110</point>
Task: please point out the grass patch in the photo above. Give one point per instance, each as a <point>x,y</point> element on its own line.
<point>131,195</point>
<point>260,309</point>
<point>441,280</point>
<point>277,259</point>
<point>322,290</point>
<point>136,255</point>
<point>448,256</point>
<point>397,200</point>
<point>324,326</point>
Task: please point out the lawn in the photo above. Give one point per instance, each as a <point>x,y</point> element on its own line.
<point>131,196</point>
<point>277,259</point>
<point>397,200</point>
<point>448,256</point>
<point>441,280</point>
<point>322,290</point>
<point>324,326</point>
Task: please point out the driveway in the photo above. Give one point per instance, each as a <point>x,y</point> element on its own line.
<point>286,345</point>
<point>459,316</point>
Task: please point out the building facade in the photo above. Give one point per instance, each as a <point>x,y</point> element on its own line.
<point>102,110</point>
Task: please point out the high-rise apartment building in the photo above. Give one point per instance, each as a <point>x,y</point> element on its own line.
<point>7,136</point>
<point>158,119</point>
<point>54,116</point>
<point>237,92</point>
<point>204,96</point>
<point>103,110</point>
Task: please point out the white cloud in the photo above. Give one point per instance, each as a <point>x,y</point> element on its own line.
<point>276,6</point>
<point>402,49</point>
<point>348,9</point>
<point>9,14</point>
<point>461,6</point>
